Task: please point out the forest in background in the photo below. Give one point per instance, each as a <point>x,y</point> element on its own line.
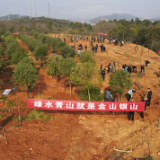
<point>145,33</point>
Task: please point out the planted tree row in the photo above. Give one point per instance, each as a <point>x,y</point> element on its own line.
<point>40,50</point>
<point>25,74</point>
<point>14,52</point>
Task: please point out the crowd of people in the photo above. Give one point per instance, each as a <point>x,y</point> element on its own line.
<point>147,100</point>
<point>94,47</point>
<point>112,67</point>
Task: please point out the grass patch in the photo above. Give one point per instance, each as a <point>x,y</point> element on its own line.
<point>38,114</point>
<point>34,114</point>
<point>3,110</point>
<point>4,98</point>
<point>23,108</point>
<point>10,104</point>
<point>46,118</point>
<point>16,119</point>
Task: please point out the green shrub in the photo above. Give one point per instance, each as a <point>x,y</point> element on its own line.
<point>31,45</point>
<point>95,94</point>
<point>148,158</point>
<point>55,42</point>
<point>10,50</point>
<point>16,119</point>
<point>7,33</point>
<point>31,33</point>
<point>2,64</point>
<point>120,81</point>
<point>34,114</point>
<point>67,51</point>
<point>1,50</point>
<point>18,55</point>
<point>87,57</point>
<point>40,52</point>
<point>10,39</point>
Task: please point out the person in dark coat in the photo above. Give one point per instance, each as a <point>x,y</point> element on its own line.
<point>146,63</point>
<point>142,113</point>
<point>134,69</point>
<point>102,48</point>
<point>148,97</point>
<point>123,66</point>
<point>103,73</point>
<point>109,68</point>
<point>116,42</point>
<point>142,68</point>
<point>129,69</point>
<point>85,47</point>
<point>101,67</point>
<point>131,114</point>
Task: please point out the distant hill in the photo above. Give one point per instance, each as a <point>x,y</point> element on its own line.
<point>155,18</point>
<point>12,16</point>
<point>112,17</point>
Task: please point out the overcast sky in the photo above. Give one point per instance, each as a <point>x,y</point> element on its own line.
<point>82,9</point>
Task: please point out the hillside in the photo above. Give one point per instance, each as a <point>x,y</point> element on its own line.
<point>84,135</point>
<point>113,16</point>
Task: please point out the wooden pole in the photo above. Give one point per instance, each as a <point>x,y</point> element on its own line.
<point>5,135</point>
<point>19,111</point>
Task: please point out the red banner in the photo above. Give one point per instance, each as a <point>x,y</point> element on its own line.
<point>158,52</point>
<point>15,33</point>
<point>85,105</point>
<point>104,34</point>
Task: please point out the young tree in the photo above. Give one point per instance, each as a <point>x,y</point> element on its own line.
<point>86,76</point>
<point>18,55</point>
<point>40,52</point>
<point>87,57</point>
<point>65,69</point>
<point>53,65</point>
<point>120,81</point>
<point>67,51</point>
<point>25,74</point>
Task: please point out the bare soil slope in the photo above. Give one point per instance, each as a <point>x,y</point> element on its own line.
<point>85,135</point>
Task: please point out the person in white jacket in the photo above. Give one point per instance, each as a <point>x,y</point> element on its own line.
<point>130,93</point>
